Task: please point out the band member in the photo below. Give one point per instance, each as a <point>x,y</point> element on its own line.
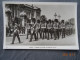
<point>16,34</point>
<point>33,31</point>
<point>63,28</point>
<point>56,29</point>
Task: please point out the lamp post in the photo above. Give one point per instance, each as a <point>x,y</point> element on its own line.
<point>55,15</point>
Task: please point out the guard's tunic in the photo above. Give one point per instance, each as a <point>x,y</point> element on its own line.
<point>63,30</point>
<point>56,30</point>
<point>43,27</point>
<point>49,28</point>
<point>28,29</point>
<point>16,34</point>
<point>38,29</point>
<point>33,31</point>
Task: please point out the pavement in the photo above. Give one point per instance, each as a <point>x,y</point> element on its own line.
<point>68,40</point>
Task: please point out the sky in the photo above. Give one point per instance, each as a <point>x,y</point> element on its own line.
<point>65,11</point>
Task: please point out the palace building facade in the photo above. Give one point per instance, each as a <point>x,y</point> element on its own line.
<point>21,13</point>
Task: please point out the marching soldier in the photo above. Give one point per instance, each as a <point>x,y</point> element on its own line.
<point>49,27</point>
<point>33,31</point>
<point>56,29</point>
<point>16,34</point>
<point>59,28</point>
<point>71,29</point>
<point>43,27</point>
<point>28,28</point>
<point>52,29</point>
<point>67,28</point>
<point>63,28</point>
<point>38,28</point>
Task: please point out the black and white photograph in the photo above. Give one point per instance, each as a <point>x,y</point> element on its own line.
<point>40,25</point>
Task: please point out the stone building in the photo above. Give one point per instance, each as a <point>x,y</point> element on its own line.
<point>22,13</point>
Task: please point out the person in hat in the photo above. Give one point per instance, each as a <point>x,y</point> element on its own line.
<point>63,28</point>
<point>33,31</point>
<point>38,28</point>
<point>56,29</point>
<point>43,26</point>
<point>16,34</point>
<point>28,28</point>
<point>49,27</point>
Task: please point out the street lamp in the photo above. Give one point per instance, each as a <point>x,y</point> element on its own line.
<point>55,15</point>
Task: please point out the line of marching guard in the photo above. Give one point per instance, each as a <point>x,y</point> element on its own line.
<point>49,30</point>
<point>45,30</point>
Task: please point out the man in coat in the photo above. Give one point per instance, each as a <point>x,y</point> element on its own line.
<point>16,33</point>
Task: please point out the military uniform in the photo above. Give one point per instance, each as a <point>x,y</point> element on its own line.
<point>33,32</point>
<point>28,29</point>
<point>67,29</point>
<point>56,30</point>
<point>63,30</point>
<point>59,30</point>
<point>49,28</point>
<point>43,27</point>
<point>16,34</point>
<point>38,29</point>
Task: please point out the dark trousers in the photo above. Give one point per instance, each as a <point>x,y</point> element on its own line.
<point>42,33</point>
<point>14,36</point>
<point>23,30</point>
<point>59,32</point>
<point>49,33</point>
<point>33,34</point>
<point>28,32</point>
<point>38,33</point>
<point>56,34</point>
<point>63,33</point>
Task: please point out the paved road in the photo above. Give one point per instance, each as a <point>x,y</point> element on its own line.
<point>69,40</point>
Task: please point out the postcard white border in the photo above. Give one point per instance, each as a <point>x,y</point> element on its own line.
<point>76,47</point>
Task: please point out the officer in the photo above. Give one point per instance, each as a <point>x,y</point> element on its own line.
<point>16,34</point>
<point>63,28</point>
